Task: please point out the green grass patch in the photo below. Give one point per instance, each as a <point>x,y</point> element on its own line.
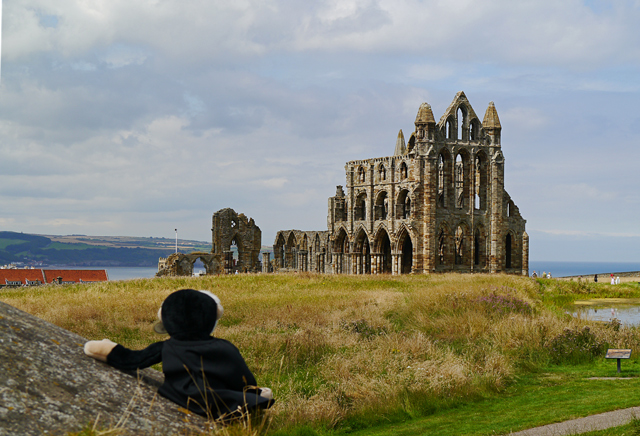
<point>65,246</point>
<point>4,243</point>
<point>561,394</point>
<point>631,429</point>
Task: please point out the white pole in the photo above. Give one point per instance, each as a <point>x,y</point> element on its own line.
<point>176,240</point>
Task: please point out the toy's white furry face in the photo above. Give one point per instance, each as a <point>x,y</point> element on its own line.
<point>159,327</point>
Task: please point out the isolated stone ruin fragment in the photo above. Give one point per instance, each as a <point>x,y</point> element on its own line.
<point>236,243</point>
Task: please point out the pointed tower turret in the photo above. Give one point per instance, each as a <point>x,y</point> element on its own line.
<point>425,123</point>
<point>401,147</point>
<point>491,124</point>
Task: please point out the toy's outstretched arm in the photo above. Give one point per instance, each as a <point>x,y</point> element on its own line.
<point>124,358</point>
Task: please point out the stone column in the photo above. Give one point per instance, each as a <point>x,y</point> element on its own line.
<point>394,264</point>
<point>496,260</point>
<point>525,254</point>
<point>266,262</point>
<point>429,204</point>
<point>228,262</point>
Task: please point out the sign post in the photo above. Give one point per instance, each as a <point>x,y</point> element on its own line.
<point>618,353</point>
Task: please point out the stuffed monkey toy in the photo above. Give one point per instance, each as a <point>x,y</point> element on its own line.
<point>203,374</point>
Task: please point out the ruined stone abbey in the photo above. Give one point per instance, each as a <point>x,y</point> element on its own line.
<point>438,204</point>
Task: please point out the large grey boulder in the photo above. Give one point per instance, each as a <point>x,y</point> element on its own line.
<point>49,386</point>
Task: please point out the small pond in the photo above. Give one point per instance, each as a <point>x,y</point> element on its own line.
<point>627,310</point>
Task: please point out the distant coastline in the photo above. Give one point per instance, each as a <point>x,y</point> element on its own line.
<point>586,269</point>
<point>627,276</point>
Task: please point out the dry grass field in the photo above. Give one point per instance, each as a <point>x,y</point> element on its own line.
<point>339,350</point>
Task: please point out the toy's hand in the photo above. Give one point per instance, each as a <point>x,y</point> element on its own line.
<point>99,349</point>
<point>266,393</point>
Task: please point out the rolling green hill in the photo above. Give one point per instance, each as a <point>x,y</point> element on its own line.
<point>82,250</point>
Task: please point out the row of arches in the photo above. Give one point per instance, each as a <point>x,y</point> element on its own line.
<point>379,254</point>
<point>459,183</point>
<point>382,207</point>
<point>456,248</point>
<point>462,127</point>
<point>380,173</point>
<point>302,251</point>
<point>462,248</point>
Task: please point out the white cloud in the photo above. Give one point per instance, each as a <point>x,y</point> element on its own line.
<point>273,183</point>
<point>567,33</point>
<point>122,113</point>
<point>430,72</point>
<point>528,118</point>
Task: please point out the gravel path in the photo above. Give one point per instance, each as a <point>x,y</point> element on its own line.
<point>583,425</point>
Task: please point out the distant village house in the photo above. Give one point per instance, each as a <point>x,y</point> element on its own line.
<point>36,277</point>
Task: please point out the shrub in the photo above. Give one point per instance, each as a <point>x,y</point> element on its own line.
<point>575,346</point>
<point>504,304</point>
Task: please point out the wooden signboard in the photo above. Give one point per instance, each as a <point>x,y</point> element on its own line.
<point>618,353</point>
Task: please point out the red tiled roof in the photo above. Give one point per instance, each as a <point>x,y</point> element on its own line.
<point>76,275</point>
<point>18,277</point>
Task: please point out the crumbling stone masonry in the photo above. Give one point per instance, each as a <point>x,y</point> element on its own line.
<point>236,243</point>
<point>438,204</point>
<point>295,250</point>
<point>180,264</point>
<point>231,229</point>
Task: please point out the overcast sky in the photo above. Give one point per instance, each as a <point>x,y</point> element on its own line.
<point>135,117</point>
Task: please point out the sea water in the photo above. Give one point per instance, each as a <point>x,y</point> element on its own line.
<point>128,273</point>
<point>117,272</point>
<point>565,269</point>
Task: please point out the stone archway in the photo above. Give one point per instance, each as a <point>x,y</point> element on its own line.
<point>362,253</point>
<point>382,252</point>
<point>406,250</point>
<point>180,264</point>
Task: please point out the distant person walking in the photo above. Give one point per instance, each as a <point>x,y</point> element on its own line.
<point>595,278</point>
<point>613,280</point>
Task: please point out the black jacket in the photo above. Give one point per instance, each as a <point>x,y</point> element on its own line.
<point>208,377</point>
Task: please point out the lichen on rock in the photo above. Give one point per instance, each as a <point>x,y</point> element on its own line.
<point>49,386</point>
